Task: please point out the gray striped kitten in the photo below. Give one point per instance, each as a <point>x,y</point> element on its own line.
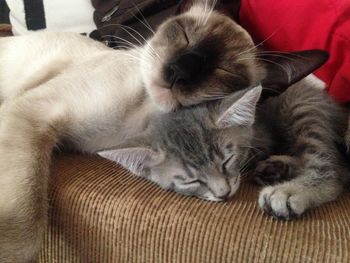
<point>290,143</point>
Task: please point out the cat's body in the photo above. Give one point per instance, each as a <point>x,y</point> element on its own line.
<point>79,101</point>
<point>112,102</point>
<point>64,88</point>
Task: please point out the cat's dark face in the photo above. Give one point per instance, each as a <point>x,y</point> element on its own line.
<point>203,55</point>
<point>195,151</point>
<point>197,56</point>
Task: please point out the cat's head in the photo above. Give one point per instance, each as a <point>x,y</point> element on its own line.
<point>203,54</point>
<point>197,151</point>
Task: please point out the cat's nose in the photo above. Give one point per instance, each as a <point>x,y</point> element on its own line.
<point>185,67</point>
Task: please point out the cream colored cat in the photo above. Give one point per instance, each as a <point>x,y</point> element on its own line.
<point>63,87</point>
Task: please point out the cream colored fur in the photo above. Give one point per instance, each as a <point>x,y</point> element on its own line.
<point>63,87</point>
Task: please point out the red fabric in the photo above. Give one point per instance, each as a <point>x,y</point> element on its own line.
<point>290,25</point>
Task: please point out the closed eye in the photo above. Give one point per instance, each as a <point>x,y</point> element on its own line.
<point>184,32</point>
<point>182,180</point>
<point>192,182</point>
<point>226,163</point>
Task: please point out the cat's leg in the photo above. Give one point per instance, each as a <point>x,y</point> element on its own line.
<point>276,169</point>
<point>320,179</point>
<point>29,129</point>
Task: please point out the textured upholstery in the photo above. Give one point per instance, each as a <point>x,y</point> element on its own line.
<point>100,213</point>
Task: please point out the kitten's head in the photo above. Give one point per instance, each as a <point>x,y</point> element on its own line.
<point>203,54</point>
<point>196,151</point>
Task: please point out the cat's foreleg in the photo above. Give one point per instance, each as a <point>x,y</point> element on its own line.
<point>29,129</point>
<point>321,179</point>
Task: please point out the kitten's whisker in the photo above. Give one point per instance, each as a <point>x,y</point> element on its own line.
<point>245,166</point>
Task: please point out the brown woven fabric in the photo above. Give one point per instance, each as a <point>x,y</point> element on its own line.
<point>100,213</point>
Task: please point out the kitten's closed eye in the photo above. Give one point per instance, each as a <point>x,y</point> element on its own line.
<point>227,163</point>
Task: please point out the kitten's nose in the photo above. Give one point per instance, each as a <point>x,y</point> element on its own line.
<point>224,194</point>
<point>185,67</point>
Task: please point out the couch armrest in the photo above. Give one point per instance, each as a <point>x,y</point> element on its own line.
<point>101,213</point>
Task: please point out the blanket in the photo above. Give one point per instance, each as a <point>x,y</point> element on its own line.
<point>288,25</point>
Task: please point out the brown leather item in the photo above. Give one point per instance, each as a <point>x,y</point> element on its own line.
<point>5,30</point>
<point>99,213</point>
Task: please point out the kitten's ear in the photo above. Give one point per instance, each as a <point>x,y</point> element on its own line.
<point>241,112</point>
<point>285,69</point>
<point>136,159</point>
<point>228,7</point>
<point>136,154</point>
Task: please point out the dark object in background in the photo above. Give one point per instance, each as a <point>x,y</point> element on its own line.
<point>140,16</point>
<point>4,13</point>
<point>34,14</point>
<point>227,7</point>
<point>136,16</point>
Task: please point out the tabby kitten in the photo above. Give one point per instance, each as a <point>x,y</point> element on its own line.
<point>290,143</point>
<point>64,88</point>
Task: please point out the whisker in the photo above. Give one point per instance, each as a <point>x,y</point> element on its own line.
<point>142,37</point>
<point>211,11</point>
<point>148,26</point>
<point>261,43</point>
<point>124,28</point>
<point>278,56</point>
<point>122,39</point>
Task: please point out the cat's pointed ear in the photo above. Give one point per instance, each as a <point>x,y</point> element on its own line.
<point>241,112</point>
<point>135,159</point>
<point>285,69</point>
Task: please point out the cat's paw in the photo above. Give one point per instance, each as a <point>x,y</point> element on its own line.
<point>284,201</point>
<point>275,169</point>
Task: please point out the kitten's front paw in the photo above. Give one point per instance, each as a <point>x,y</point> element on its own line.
<point>283,201</point>
<point>275,169</point>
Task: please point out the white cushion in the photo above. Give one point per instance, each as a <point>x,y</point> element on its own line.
<point>60,15</point>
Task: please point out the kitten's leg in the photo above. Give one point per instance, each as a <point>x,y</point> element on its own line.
<point>276,169</point>
<point>321,179</point>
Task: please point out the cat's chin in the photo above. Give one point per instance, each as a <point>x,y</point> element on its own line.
<point>163,98</point>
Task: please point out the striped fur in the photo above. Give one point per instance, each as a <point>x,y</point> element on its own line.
<point>293,147</point>
<point>307,128</point>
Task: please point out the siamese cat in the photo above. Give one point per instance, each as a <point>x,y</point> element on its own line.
<point>63,88</point>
